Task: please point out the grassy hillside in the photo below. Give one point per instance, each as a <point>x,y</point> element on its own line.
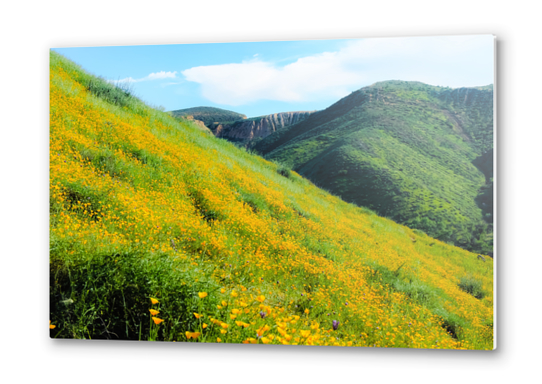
<point>159,231</point>
<point>405,150</point>
<point>209,115</point>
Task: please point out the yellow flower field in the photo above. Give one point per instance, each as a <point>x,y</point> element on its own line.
<point>227,249</point>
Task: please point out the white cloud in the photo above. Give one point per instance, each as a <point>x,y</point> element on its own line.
<point>439,60</point>
<point>153,76</point>
<point>160,75</point>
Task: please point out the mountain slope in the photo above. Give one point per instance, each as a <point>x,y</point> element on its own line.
<point>208,115</point>
<point>159,231</point>
<point>404,149</point>
<point>249,130</point>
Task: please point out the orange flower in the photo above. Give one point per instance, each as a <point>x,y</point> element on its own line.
<point>156,320</point>
<point>202,295</point>
<point>242,324</point>
<point>263,329</point>
<point>192,335</point>
<point>197,315</point>
<point>261,298</point>
<point>204,325</point>
<point>154,301</point>
<point>51,326</point>
<point>154,312</point>
<point>305,333</point>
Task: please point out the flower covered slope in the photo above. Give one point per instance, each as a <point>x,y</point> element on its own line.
<point>159,231</point>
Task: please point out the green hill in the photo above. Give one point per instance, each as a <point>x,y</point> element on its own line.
<point>209,115</point>
<point>405,150</point>
<point>160,231</point>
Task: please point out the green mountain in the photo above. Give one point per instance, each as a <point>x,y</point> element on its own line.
<point>209,115</point>
<point>418,154</point>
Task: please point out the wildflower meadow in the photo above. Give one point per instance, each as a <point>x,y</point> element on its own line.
<point>159,231</point>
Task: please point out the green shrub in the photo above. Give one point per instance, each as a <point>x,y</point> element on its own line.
<point>284,171</point>
<point>472,286</point>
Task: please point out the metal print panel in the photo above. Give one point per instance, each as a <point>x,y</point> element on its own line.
<point>324,193</point>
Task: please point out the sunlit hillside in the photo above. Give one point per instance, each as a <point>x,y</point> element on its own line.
<point>418,154</point>
<point>160,231</point>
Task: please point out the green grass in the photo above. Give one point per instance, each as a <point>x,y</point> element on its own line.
<point>100,297</point>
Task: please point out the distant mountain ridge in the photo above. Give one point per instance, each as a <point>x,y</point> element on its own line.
<point>208,115</point>
<point>236,127</point>
<point>256,128</point>
<point>407,151</point>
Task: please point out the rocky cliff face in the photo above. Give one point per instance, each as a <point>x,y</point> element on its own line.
<point>257,128</point>
<point>197,123</point>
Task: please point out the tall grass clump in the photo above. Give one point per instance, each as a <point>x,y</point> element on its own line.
<point>472,286</point>
<point>120,94</point>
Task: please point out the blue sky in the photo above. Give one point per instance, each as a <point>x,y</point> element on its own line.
<point>260,78</point>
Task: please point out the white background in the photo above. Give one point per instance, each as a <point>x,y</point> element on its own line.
<point>29,30</point>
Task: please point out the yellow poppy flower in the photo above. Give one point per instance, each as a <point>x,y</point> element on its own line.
<point>261,298</point>
<point>218,340</point>
<point>51,326</point>
<point>192,335</point>
<point>154,312</point>
<point>204,325</point>
<point>202,295</point>
<point>154,301</point>
<point>197,315</point>
<point>156,320</point>
<point>263,329</point>
<point>305,333</point>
